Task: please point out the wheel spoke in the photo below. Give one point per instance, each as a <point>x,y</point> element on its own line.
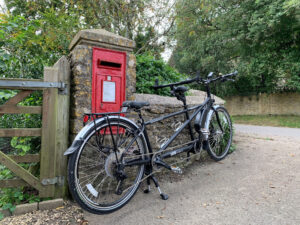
<point>96,180</point>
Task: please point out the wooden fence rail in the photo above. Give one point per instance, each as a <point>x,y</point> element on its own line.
<point>54,131</point>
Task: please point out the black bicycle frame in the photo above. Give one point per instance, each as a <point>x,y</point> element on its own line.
<point>205,106</point>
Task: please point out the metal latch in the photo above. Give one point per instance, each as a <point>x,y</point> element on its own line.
<point>56,180</point>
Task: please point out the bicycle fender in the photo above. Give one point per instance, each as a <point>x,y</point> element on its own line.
<point>79,139</point>
<point>208,117</point>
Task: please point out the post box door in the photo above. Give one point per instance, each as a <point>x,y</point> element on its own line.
<point>109,80</point>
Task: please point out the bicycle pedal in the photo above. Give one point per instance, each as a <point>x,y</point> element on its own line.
<point>176,169</point>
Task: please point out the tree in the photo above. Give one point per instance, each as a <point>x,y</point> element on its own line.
<point>128,18</point>
<point>260,38</point>
<point>149,69</point>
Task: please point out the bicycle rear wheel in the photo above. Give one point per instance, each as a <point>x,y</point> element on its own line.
<point>219,140</point>
<point>92,170</point>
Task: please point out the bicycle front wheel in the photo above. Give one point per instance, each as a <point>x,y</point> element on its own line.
<point>220,134</point>
<point>93,170</point>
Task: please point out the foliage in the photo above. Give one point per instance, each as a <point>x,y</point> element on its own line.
<point>149,69</point>
<point>259,38</point>
<point>23,120</point>
<point>10,197</point>
<point>27,46</point>
<point>144,46</point>
<point>128,18</point>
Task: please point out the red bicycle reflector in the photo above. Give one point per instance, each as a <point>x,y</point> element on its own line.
<point>86,118</point>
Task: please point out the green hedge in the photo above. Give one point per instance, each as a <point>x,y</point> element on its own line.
<point>149,69</point>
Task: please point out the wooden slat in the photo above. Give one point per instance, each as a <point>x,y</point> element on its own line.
<point>18,97</point>
<point>30,158</point>
<point>11,183</point>
<point>12,109</point>
<point>14,101</point>
<point>20,172</point>
<point>20,132</point>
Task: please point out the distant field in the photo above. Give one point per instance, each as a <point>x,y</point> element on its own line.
<point>276,121</point>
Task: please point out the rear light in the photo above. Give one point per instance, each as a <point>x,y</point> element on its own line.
<point>86,118</point>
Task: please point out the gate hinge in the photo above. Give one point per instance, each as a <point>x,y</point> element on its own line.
<point>56,180</point>
<point>63,90</point>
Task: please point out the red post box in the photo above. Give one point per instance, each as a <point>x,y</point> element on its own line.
<point>108,80</point>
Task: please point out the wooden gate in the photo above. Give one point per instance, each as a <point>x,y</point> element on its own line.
<point>54,131</point>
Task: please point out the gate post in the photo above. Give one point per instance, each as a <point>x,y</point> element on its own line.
<point>55,130</point>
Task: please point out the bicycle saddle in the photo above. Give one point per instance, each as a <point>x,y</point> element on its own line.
<point>180,89</point>
<point>135,105</point>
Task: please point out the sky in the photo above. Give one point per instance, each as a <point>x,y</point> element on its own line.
<point>2,3</point>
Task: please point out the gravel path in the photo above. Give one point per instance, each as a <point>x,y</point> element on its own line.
<point>69,214</point>
<point>257,184</point>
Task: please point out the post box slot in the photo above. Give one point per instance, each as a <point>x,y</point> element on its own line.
<point>113,65</point>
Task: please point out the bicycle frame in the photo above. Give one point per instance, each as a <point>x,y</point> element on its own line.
<point>205,107</point>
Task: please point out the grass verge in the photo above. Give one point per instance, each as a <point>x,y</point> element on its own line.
<point>269,120</point>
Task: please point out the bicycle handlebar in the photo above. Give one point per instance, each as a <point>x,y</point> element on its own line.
<point>198,79</point>
<point>156,86</point>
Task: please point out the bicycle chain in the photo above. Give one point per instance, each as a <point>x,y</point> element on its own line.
<point>160,169</point>
<point>169,149</point>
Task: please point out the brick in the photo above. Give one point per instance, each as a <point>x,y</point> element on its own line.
<point>25,208</point>
<point>51,204</point>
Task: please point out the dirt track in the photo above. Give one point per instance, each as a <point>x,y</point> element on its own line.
<point>257,184</point>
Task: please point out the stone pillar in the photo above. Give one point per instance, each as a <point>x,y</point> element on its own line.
<point>81,54</point>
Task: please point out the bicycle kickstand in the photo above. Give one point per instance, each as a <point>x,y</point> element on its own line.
<point>162,195</point>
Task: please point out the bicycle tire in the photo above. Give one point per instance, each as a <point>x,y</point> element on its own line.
<point>219,142</point>
<point>86,187</point>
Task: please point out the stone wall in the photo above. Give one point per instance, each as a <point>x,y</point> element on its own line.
<point>264,104</point>
<point>162,105</point>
